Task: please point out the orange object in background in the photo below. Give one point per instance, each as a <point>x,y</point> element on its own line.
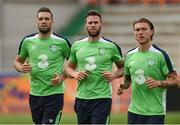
<point>14,95</point>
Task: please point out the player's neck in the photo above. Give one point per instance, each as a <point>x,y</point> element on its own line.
<point>43,36</point>
<point>93,39</point>
<point>145,47</point>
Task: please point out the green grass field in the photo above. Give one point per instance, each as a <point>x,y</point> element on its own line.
<point>171,118</point>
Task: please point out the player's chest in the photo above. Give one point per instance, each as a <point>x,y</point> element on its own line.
<point>144,62</point>
<point>48,49</point>
<point>100,53</point>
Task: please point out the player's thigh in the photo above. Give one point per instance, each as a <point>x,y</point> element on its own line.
<point>82,111</point>
<point>101,111</point>
<point>53,109</point>
<point>135,118</point>
<point>36,111</point>
<point>144,119</point>
<point>155,119</point>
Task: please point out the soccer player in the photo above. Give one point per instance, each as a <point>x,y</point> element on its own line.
<point>42,55</point>
<point>150,70</point>
<point>90,62</point>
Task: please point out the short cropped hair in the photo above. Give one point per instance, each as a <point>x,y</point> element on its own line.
<point>94,13</point>
<point>45,9</point>
<point>144,20</point>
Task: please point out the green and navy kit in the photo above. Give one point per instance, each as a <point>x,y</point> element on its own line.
<point>46,56</point>
<point>139,65</point>
<point>94,57</point>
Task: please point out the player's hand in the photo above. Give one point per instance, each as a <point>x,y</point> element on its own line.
<point>108,76</point>
<point>26,67</point>
<point>81,75</point>
<point>151,83</point>
<point>120,89</point>
<point>56,80</point>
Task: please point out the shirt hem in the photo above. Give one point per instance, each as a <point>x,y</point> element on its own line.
<point>146,114</point>
<point>34,94</point>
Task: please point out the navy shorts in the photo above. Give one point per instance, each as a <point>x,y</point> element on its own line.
<point>145,119</point>
<point>93,111</point>
<point>46,109</point>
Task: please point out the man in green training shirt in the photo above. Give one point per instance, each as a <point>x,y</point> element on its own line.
<point>42,55</point>
<point>91,60</point>
<point>150,71</point>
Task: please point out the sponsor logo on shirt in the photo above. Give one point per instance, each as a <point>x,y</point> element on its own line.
<point>43,61</point>
<point>140,78</point>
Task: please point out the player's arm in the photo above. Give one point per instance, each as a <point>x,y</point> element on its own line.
<point>125,85</point>
<point>109,76</point>
<point>120,66</point>
<point>171,81</point>
<point>22,65</point>
<point>70,71</point>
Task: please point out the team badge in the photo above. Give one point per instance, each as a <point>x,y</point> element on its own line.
<point>102,51</point>
<point>33,47</point>
<point>81,49</point>
<point>53,48</point>
<point>151,62</point>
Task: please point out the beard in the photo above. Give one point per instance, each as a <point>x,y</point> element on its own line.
<point>94,34</point>
<point>44,30</point>
<point>142,42</point>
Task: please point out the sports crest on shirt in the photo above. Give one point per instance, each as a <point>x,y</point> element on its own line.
<point>33,47</point>
<point>53,47</point>
<point>102,51</point>
<point>150,62</point>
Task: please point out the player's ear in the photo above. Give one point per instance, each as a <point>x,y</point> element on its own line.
<point>102,25</point>
<point>85,27</point>
<point>52,21</point>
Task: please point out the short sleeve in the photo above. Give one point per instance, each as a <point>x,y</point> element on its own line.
<point>22,49</point>
<point>126,67</point>
<point>117,56</point>
<point>66,49</point>
<point>72,57</point>
<point>166,64</point>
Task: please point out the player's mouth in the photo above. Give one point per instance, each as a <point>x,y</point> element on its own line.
<point>93,29</point>
<point>140,37</point>
<point>43,25</point>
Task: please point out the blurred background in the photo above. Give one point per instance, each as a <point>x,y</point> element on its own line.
<point>18,19</point>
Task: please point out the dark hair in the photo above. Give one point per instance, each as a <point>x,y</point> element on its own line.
<point>94,13</point>
<point>45,9</point>
<point>144,20</point>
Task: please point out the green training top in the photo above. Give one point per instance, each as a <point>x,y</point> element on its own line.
<point>154,63</point>
<point>46,56</point>
<point>95,57</point>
